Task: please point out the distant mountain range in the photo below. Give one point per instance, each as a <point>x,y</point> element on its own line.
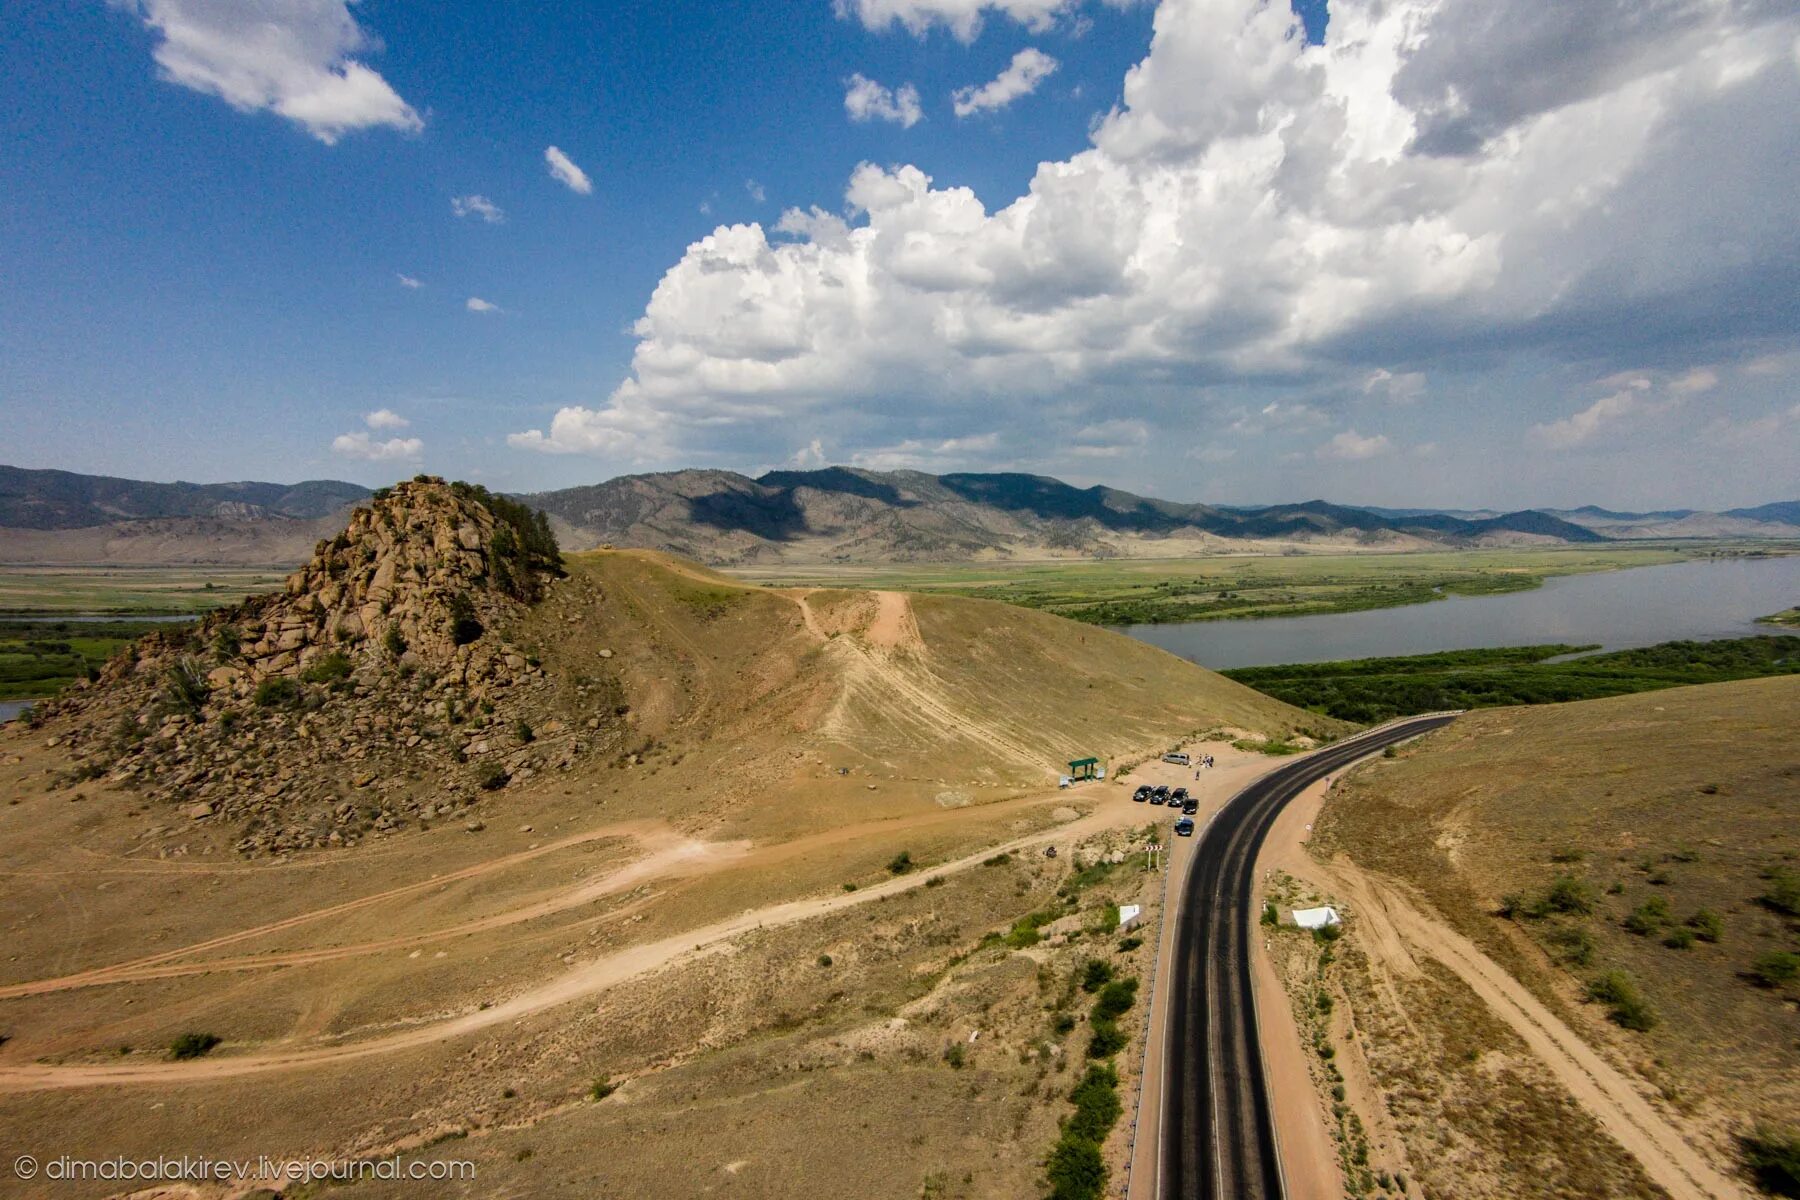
<point>64,500</point>
<point>835,514</point>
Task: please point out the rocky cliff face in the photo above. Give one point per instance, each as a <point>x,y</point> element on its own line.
<point>378,687</point>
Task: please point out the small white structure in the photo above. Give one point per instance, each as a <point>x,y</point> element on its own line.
<point>1130,916</point>
<point>1316,918</point>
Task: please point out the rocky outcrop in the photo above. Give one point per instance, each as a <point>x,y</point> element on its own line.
<point>377,688</point>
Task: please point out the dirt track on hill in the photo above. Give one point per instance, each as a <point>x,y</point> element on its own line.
<point>1395,932</point>
<point>1111,809</point>
<point>583,981</point>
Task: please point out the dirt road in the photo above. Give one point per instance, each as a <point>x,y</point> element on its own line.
<point>1112,809</point>
<point>1396,932</point>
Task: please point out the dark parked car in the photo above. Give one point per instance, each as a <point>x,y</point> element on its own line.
<point>1178,795</point>
<point>1158,798</point>
<point>1162,793</point>
<point>1189,806</point>
<point>1142,794</point>
<point>1184,827</point>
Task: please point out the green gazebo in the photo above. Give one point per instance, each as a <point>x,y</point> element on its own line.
<point>1083,768</point>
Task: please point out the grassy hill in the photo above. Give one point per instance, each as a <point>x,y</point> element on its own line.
<point>1652,839</point>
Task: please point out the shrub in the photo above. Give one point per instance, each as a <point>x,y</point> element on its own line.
<point>226,643</point>
<point>394,642</point>
<point>1095,975</point>
<point>824,960</point>
<point>956,1056</point>
<point>1097,1106</point>
<point>1773,1157</point>
<point>1569,896</point>
<point>1115,999</point>
<point>328,668</point>
<point>1076,1170</point>
<point>1707,925</point>
<point>1679,939</point>
<point>277,691</point>
<point>602,1089</point>
<point>901,863</point>
<point>1625,1005</point>
<point>465,627</point>
<point>1127,945</point>
<point>1775,968</point>
<point>1648,917</point>
<point>193,1045</point>
<point>1063,1023</point>
<point>491,777</point>
<point>1576,944</point>
<point>1784,891</point>
<point>524,731</point>
<point>1270,914</point>
<point>1105,1038</point>
<point>185,686</point>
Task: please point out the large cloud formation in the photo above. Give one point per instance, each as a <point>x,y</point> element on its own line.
<point>1437,179</point>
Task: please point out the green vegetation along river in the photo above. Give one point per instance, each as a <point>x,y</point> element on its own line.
<point>1370,690</point>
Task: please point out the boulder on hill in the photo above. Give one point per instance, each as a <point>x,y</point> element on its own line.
<point>382,662</point>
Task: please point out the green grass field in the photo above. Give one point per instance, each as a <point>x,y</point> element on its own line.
<point>1368,690</point>
<point>39,657</point>
<point>128,591</point>
<point>1158,591</point>
<point>1788,617</point>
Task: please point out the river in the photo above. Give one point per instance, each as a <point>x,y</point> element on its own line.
<point>1641,606</point>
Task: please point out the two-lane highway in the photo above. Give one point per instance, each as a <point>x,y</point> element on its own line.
<point>1217,1134</point>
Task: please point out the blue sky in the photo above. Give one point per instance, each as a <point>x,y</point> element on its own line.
<point>1270,267</point>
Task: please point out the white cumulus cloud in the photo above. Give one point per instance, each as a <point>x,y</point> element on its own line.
<point>866,100</point>
<point>407,281</point>
<point>1351,446</point>
<point>385,418</point>
<point>361,445</point>
<point>476,304</point>
<point>477,206</point>
<point>963,18</point>
<point>1021,77</point>
<point>1261,211</point>
<point>296,58</point>
<point>565,172</point>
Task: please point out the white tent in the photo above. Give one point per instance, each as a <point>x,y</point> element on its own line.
<point>1130,915</point>
<point>1316,918</point>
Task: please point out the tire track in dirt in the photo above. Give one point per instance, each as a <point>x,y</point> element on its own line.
<point>580,982</point>
<point>654,834</point>
<point>1599,1087</point>
<point>889,644</point>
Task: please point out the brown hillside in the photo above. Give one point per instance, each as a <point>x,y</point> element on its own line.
<point>744,839</point>
<point>1670,804</point>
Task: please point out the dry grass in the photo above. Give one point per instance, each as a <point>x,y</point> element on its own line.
<point>736,725</point>
<point>1680,800</point>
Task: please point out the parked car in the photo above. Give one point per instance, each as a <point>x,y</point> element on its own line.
<point>1190,806</point>
<point>1176,757</point>
<point>1184,827</point>
<point>1142,794</point>
<point>1158,798</point>
<point>1162,793</point>
<point>1179,794</point>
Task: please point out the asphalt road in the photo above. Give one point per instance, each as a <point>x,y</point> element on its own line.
<point>1218,1131</point>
